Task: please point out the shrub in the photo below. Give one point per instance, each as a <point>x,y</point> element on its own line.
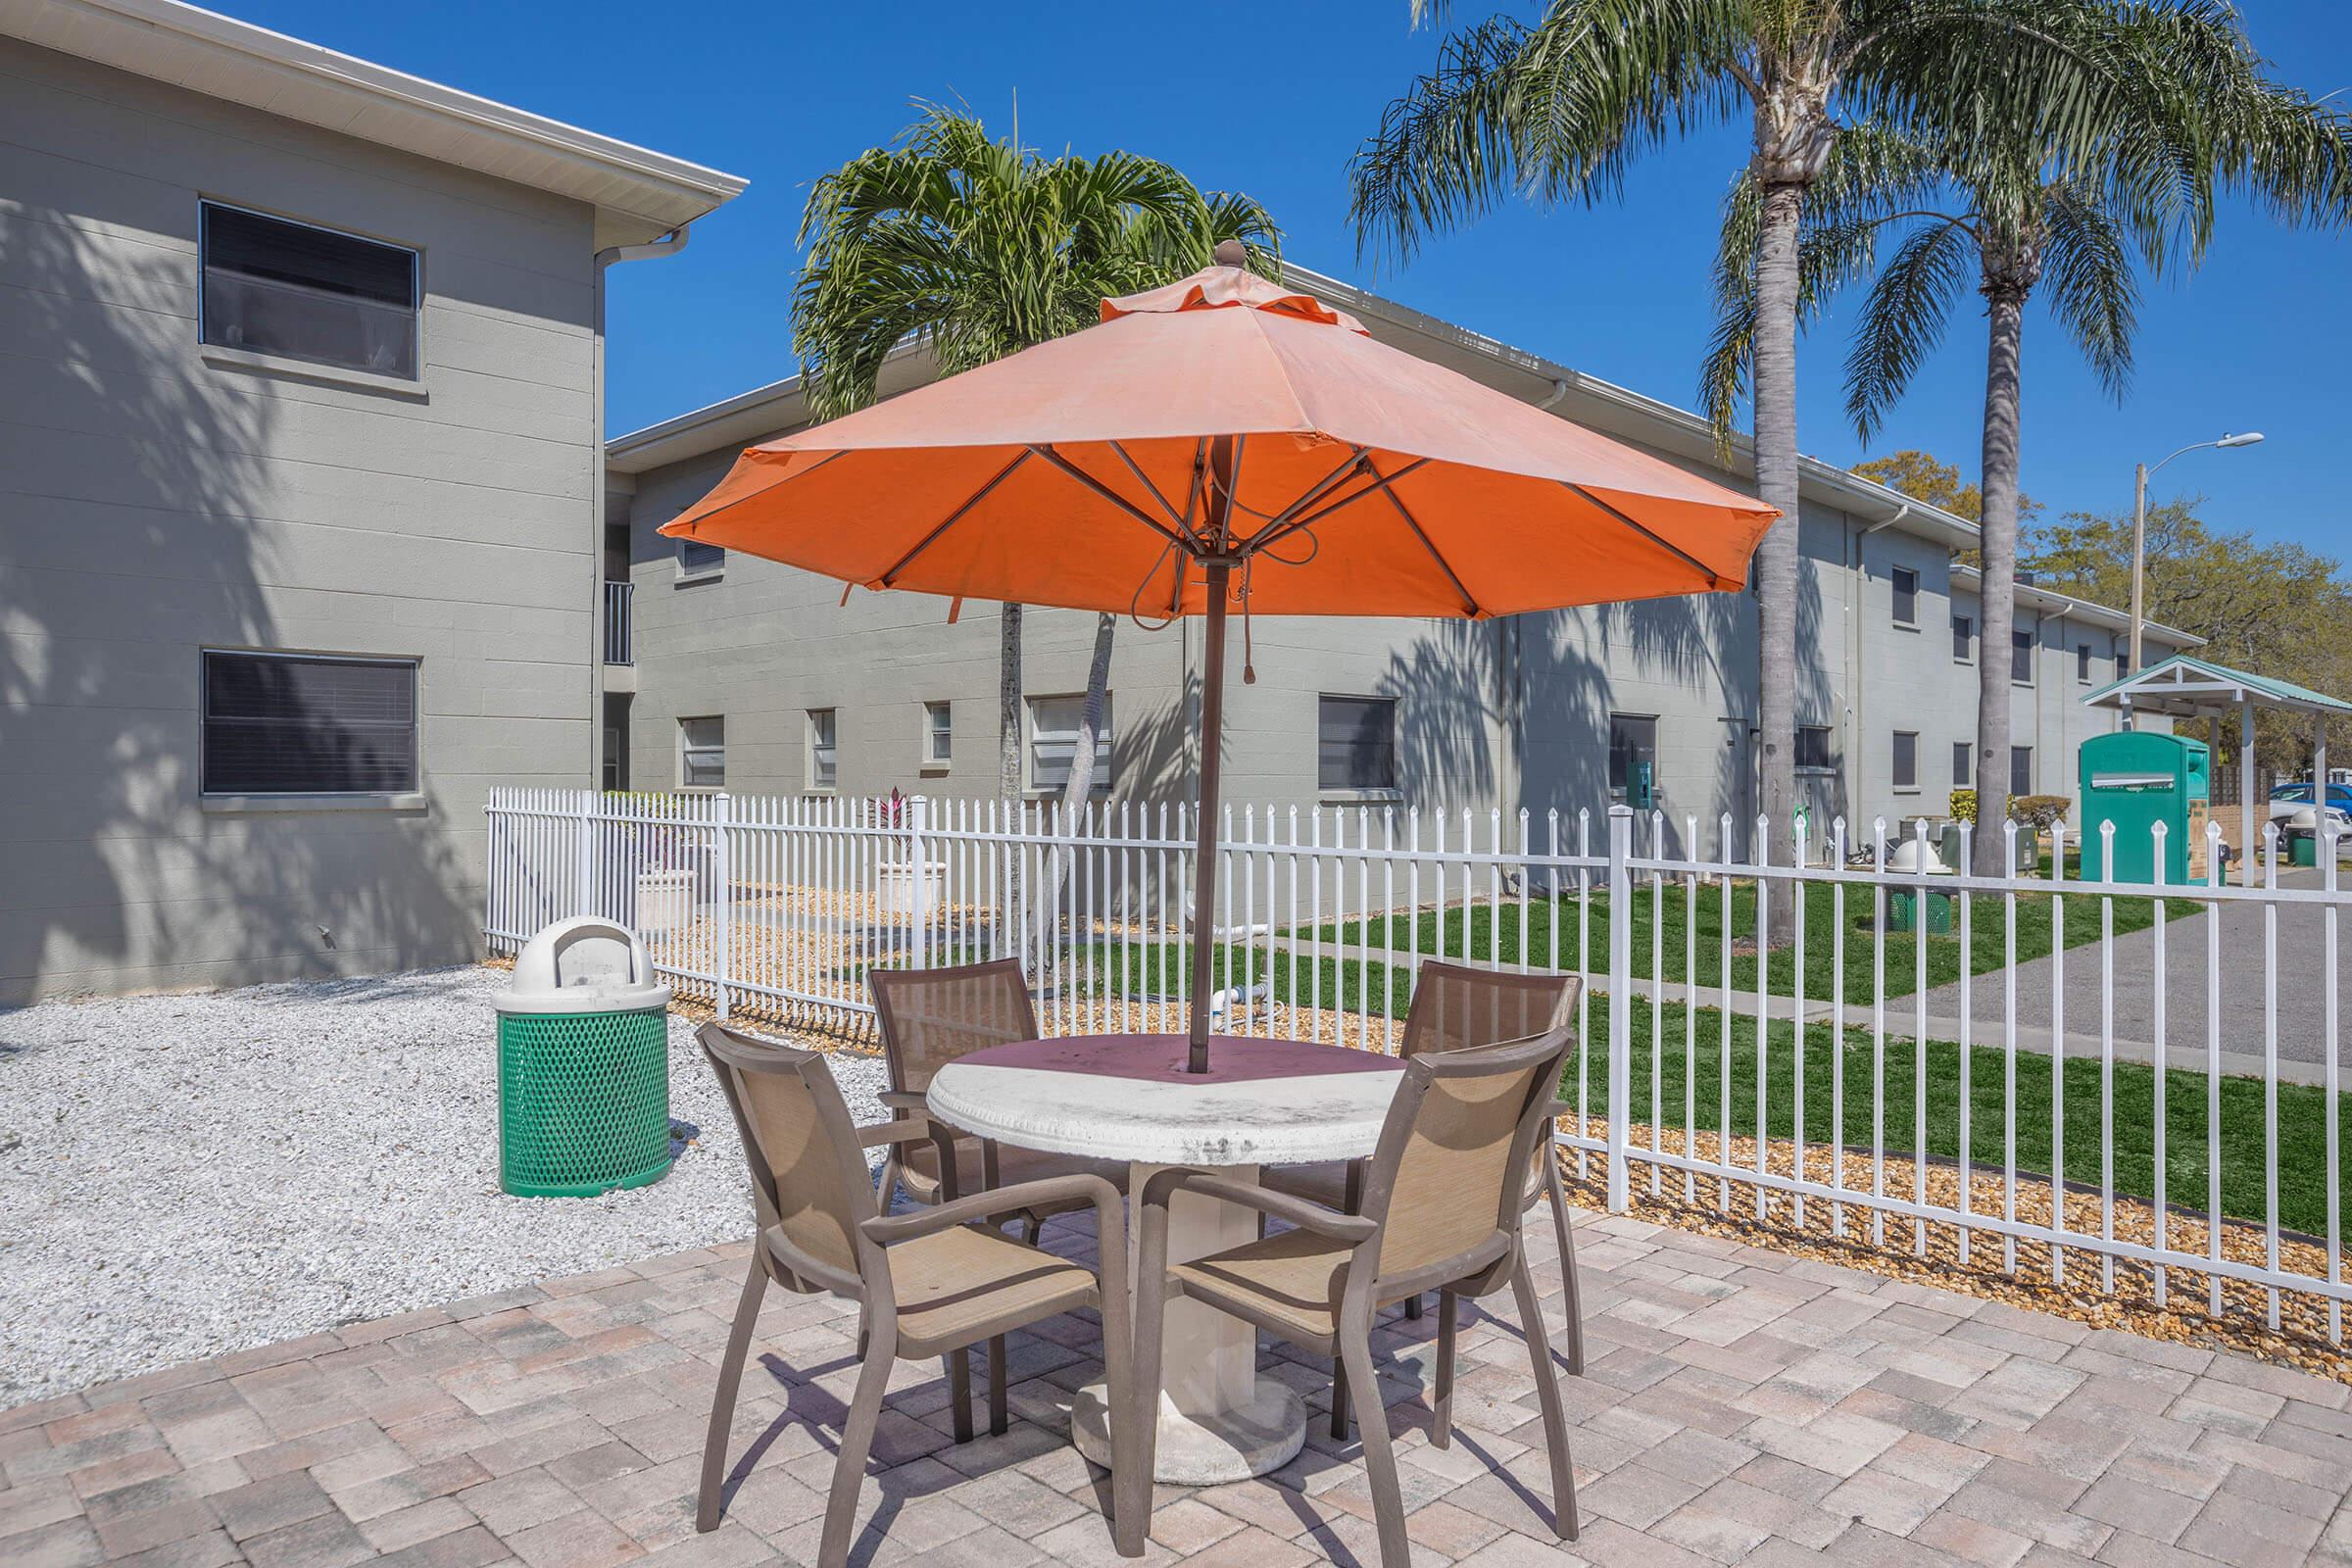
<point>2040,813</point>
<point>1963,806</point>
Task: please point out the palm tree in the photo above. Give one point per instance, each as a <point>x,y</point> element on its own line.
<point>978,248</point>
<point>1559,109</point>
<point>2189,112</point>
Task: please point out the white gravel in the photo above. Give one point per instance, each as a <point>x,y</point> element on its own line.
<point>188,1175</point>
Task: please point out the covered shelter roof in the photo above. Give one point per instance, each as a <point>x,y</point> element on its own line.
<point>2185,686</point>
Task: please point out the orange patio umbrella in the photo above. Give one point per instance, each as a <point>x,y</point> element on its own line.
<point>1226,441</point>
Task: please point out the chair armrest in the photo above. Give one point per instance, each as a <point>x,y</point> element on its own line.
<point>889,1230</point>
<point>906,1130</point>
<point>903,1100</point>
<point>1299,1211</point>
<point>1559,1109</point>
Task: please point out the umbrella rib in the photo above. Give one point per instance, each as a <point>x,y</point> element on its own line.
<point>1680,554</point>
<point>953,517</point>
<point>1435,554</point>
<point>1112,495</point>
<point>1145,479</point>
<point>1301,524</point>
<point>1278,525</point>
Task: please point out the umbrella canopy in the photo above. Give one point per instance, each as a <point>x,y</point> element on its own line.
<point>1223,428</point>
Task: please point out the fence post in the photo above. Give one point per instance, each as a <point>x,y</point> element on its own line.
<point>918,877</point>
<point>583,895</point>
<point>1621,1000</point>
<point>722,895</point>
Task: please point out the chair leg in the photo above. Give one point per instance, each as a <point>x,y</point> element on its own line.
<point>1440,1428</point>
<point>856,1439</point>
<point>1548,1397</point>
<point>1412,1306</point>
<point>722,1398</point>
<point>999,1419</point>
<point>1137,1417</point>
<point>1572,1294</point>
<point>885,1187</point>
<point>959,1393</point>
<point>1380,1461</point>
<point>1339,1400</point>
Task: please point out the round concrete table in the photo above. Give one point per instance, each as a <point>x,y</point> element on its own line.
<point>1127,1096</point>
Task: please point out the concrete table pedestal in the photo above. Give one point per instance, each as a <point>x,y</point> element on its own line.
<point>1127,1096</point>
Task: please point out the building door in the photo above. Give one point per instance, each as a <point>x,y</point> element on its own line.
<point>1738,785</point>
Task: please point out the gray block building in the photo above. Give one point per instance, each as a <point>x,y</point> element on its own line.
<point>757,678</point>
<point>300,408</point>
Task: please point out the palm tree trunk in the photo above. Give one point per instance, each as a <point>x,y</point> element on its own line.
<point>1775,557</point>
<point>1084,763</point>
<point>1998,608</point>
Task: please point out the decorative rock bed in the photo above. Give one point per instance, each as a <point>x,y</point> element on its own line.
<point>183,1176</point>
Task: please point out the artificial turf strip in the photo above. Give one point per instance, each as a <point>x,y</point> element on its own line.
<point>2301,1155</point>
<point>1483,932</point>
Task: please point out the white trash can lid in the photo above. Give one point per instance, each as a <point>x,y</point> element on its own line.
<point>582,965</point>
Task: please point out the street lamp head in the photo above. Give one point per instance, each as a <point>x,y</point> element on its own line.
<point>2249,438</point>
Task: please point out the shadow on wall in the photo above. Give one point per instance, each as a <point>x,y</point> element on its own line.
<point>140,529</point>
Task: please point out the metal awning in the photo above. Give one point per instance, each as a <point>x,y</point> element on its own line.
<point>2185,686</point>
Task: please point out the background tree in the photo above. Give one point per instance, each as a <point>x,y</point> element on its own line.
<point>2073,204</point>
<point>2277,608</point>
<point>978,248</point>
<point>1558,109</point>
<point>1921,476</point>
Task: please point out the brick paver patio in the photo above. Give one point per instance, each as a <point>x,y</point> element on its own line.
<point>1743,1406</point>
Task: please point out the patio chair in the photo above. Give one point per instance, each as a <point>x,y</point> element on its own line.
<point>1442,1204</point>
<point>927,1284</point>
<point>932,1016</point>
<point>1455,1006</point>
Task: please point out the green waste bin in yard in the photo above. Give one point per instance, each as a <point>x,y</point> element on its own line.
<point>583,1064</point>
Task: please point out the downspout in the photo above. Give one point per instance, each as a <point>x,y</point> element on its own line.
<point>1859,680</point>
<point>669,244</point>
<point>1510,674</point>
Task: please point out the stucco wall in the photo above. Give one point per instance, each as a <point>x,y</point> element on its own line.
<point>158,503</point>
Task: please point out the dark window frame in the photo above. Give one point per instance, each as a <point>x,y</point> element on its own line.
<point>208,206</point>
<point>1619,769</point>
<point>694,567</point>
<point>1964,764</point>
<point>1895,762</point>
<point>215,778</point>
<point>1896,593</point>
<point>2021,757</point>
<point>2082,663</point>
<point>2023,645</point>
<point>1822,760</point>
<point>1378,779</point>
<point>1964,639</point>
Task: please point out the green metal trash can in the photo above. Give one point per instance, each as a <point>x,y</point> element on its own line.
<point>2303,848</point>
<point>1902,913</point>
<point>583,1065</point>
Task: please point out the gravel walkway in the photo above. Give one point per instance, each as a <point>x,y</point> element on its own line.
<point>188,1175</point>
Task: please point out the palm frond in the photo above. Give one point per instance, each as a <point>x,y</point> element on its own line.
<point>2090,283</point>
<point>1904,316</point>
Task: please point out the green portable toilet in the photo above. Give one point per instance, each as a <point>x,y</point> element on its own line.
<point>2136,779</point>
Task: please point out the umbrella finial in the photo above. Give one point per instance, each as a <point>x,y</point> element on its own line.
<point>1231,253</point>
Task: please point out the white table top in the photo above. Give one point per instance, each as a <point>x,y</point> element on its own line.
<point>1126,1096</point>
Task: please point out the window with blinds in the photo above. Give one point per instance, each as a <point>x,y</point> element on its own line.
<point>272,286</point>
<point>295,724</point>
<point>1355,743</point>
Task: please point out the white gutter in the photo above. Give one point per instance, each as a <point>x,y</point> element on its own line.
<point>669,244</point>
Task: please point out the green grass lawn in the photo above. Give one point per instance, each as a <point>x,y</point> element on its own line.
<point>1685,918</point>
<point>2302,1149</point>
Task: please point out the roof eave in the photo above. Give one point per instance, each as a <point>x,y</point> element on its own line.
<point>222,57</point>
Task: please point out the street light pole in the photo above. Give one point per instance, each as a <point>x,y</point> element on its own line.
<point>2140,529</point>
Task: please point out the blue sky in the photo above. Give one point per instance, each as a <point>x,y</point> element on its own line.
<point>1272,102</point>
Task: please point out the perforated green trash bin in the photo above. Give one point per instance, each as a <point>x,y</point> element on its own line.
<point>583,1065</point>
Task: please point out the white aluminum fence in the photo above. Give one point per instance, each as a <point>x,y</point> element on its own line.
<point>1944,1116</point>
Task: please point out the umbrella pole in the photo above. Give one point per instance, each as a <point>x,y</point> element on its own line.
<point>1205,844</point>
